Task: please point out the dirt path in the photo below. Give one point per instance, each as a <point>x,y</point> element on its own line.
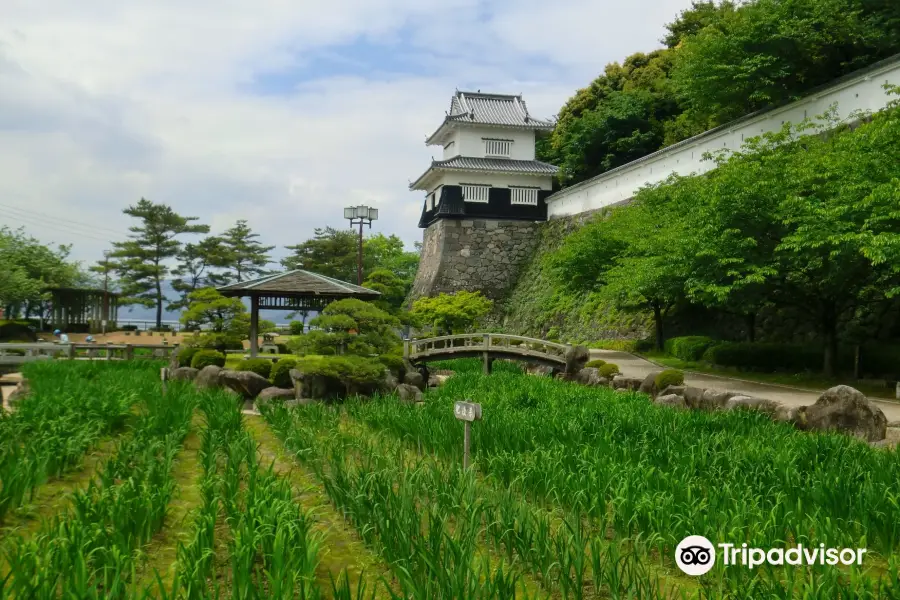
<point>634,366</point>
<point>8,384</point>
<point>342,548</point>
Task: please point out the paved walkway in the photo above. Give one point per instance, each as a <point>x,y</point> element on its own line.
<point>8,383</point>
<point>634,366</point>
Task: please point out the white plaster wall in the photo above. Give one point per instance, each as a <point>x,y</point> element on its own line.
<point>496,180</point>
<point>865,92</point>
<point>468,141</point>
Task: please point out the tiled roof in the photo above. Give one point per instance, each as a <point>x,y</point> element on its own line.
<point>498,110</point>
<point>502,165</point>
<point>493,109</point>
<point>298,283</point>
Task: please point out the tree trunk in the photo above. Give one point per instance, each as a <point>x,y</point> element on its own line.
<point>829,330</point>
<point>658,320</point>
<point>158,304</point>
<point>750,321</point>
<point>856,362</point>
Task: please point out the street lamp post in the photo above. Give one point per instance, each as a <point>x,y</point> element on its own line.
<point>360,215</point>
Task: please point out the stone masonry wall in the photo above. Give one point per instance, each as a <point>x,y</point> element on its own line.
<point>474,255</point>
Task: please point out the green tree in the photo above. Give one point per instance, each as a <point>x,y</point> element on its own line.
<point>225,318</point>
<point>351,326</point>
<point>330,252</point>
<point>143,259</point>
<point>693,20</point>
<point>29,267</point>
<point>196,269</point>
<point>245,257</point>
<point>452,313</point>
<point>392,289</point>
<point>768,52</point>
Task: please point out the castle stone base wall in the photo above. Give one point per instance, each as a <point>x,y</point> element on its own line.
<point>474,255</point>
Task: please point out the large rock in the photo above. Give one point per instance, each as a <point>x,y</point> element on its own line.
<point>843,408</point>
<point>540,370</point>
<point>715,399</point>
<point>576,358</point>
<point>437,380</point>
<point>648,385</point>
<point>672,400</point>
<point>173,360</point>
<point>787,414</point>
<point>390,381</point>
<point>274,394</point>
<point>751,403</point>
<point>415,379</point>
<point>409,394</point>
<point>678,390</point>
<point>208,378</point>
<point>319,387</point>
<point>246,383</point>
<point>628,383</point>
<point>693,396</point>
<point>589,376</point>
<point>183,374</point>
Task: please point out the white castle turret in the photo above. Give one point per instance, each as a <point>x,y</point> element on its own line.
<point>488,170</point>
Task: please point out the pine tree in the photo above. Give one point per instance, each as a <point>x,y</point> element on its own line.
<point>245,256</point>
<point>195,270</point>
<point>142,259</point>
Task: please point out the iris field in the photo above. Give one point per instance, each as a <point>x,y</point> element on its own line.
<point>111,489</point>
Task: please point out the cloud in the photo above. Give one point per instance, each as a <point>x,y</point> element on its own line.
<point>232,109</point>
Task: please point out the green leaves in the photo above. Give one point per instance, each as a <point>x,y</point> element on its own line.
<point>452,313</point>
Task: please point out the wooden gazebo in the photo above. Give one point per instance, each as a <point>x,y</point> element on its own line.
<point>83,310</point>
<point>292,290</point>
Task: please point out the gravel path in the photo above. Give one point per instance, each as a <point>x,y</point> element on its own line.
<point>8,383</point>
<point>634,366</point>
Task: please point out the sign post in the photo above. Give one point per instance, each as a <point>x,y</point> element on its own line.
<point>164,375</point>
<point>467,412</point>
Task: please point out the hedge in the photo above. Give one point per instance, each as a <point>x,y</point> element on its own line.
<point>689,348</point>
<point>280,374</point>
<point>205,358</point>
<point>595,364</point>
<point>608,370</point>
<point>766,357</point>
<point>296,327</point>
<point>260,366</point>
<point>667,378</point>
<point>186,355</point>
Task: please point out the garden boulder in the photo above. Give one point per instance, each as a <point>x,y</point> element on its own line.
<point>183,374</point>
<point>671,400</point>
<point>541,370</point>
<point>589,376</point>
<point>414,378</point>
<point>648,385</point>
<point>22,389</point>
<point>844,409</point>
<point>390,381</point>
<point>409,394</point>
<point>751,403</point>
<point>274,394</point>
<point>678,390</point>
<point>628,383</point>
<point>576,358</point>
<point>208,377</point>
<point>246,383</point>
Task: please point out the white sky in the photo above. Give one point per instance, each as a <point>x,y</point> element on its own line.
<point>280,112</point>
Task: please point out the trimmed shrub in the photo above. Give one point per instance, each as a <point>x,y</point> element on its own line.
<point>690,347</point>
<point>16,330</point>
<point>129,327</point>
<point>645,345</point>
<point>186,355</point>
<point>669,377</point>
<point>205,358</point>
<point>280,373</point>
<point>296,327</point>
<point>282,348</point>
<point>608,370</point>
<point>767,357</point>
<point>595,364</point>
<point>260,366</point>
<point>348,369</point>
<point>394,362</point>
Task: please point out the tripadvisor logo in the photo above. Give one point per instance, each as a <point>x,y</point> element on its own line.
<point>696,555</point>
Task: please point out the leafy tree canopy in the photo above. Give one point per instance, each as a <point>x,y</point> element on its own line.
<point>452,313</point>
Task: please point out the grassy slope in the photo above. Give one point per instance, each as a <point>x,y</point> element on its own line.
<point>538,306</point>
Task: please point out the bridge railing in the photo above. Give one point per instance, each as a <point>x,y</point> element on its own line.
<point>484,342</point>
<point>15,354</point>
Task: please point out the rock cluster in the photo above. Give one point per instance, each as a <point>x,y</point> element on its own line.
<point>841,408</point>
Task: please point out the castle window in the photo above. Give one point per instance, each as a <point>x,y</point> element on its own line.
<point>522,195</point>
<point>496,147</point>
<point>475,193</point>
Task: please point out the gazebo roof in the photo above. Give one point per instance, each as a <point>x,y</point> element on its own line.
<point>298,283</point>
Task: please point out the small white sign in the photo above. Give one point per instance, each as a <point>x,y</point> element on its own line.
<point>467,411</point>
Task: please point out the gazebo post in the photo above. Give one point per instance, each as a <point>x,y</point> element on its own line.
<point>254,325</point>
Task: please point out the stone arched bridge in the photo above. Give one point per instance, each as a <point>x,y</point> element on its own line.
<point>486,346</point>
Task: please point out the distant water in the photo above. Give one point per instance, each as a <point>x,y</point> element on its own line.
<point>141,313</point>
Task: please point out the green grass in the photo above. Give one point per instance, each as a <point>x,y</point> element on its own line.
<point>809,381</point>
